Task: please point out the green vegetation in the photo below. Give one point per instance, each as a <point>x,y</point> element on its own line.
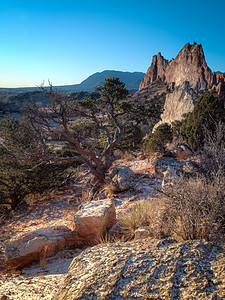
<point>29,163</point>
<point>208,111</point>
<point>156,141</point>
<point>21,173</point>
<point>90,130</point>
<point>188,208</point>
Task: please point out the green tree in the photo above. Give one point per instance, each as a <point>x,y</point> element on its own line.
<point>157,140</point>
<point>208,111</point>
<point>62,120</point>
<point>21,170</point>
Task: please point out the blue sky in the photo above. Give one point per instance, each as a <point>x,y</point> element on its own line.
<point>66,41</point>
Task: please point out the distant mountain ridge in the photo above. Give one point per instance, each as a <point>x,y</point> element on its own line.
<point>132,81</point>
<point>13,99</point>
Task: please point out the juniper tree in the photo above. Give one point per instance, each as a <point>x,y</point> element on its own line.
<point>60,121</point>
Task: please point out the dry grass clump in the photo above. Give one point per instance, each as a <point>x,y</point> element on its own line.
<point>109,190</point>
<point>149,214</point>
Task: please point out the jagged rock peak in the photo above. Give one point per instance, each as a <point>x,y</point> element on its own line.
<point>189,65</point>
<point>156,71</point>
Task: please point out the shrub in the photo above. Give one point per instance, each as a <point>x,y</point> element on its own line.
<point>208,111</point>
<point>214,152</point>
<point>156,141</point>
<point>20,176</point>
<point>195,209</point>
<point>132,139</point>
<point>19,179</point>
<point>190,209</point>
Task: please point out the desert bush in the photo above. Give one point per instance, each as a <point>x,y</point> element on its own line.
<point>19,176</point>
<point>189,209</point>
<point>132,139</point>
<point>18,179</point>
<point>214,151</point>
<point>195,208</point>
<point>157,140</point>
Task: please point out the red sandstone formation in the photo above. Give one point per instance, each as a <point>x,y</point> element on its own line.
<point>189,65</point>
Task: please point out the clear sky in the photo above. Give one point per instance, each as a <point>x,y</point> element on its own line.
<point>66,41</point>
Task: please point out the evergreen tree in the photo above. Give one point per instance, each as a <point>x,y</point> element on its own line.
<point>208,111</point>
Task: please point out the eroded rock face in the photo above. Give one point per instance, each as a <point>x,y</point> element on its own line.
<point>178,103</point>
<point>189,65</point>
<point>147,269</point>
<point>220,90</point>
<point>32,246</point>
<point>156,71</point>
<point>94,219</point>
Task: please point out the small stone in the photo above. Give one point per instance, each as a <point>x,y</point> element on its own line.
<point>141,233</point>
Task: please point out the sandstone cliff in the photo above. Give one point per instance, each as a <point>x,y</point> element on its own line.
<point>189,65</point>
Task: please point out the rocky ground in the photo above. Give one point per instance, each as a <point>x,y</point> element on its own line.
<point>42,280</point>
<point>147,269</point>
<point>35,281</point>
<point>56,209</point>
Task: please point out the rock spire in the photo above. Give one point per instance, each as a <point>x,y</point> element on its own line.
<point>189,65</point>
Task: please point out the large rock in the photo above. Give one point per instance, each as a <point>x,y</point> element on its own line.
<point>94,219</point>
<point>177,103</point>
<point>156,71</point>
<point>220,89</point>
<point>167,166</point>
<point>147,269</point>
<point>189,65</point>
<point>42,243</point>
<point>121,178</point>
